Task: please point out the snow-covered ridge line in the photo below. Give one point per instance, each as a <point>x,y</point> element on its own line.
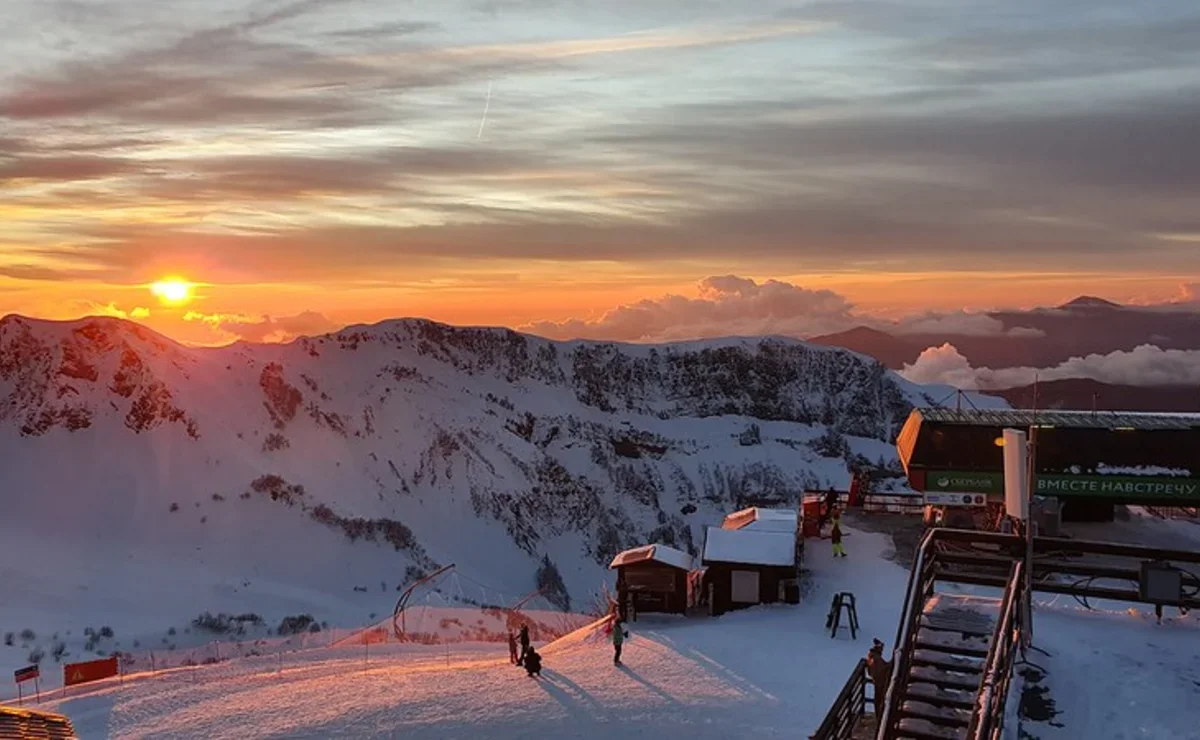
<point>147,482</point>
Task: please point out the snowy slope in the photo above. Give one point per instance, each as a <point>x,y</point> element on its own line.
<point>143,482</point>
<point>767,672</point>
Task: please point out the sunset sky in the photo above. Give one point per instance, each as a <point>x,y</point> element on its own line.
<point>542,163</point>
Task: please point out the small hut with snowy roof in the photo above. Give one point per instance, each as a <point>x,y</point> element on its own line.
<point>653,578</point>
<point>753,558</point>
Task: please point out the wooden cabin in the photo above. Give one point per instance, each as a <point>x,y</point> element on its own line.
<point>747,564</point>
<point>653,578</point>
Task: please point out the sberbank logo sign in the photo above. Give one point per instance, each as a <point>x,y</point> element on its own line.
<point>1065,486</point>
<point>969,482</point>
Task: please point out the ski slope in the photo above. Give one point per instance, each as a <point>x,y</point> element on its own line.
<point>766,671</point>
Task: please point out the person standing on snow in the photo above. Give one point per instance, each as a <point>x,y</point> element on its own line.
<point>836,536</point>
<point>512,648</point>
<point>831,502</point>
<point>618,639</point>
<point>880,671</point>
<point>525,649</point>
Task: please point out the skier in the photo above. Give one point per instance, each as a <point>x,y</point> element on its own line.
<point>881,673</point>
<point>533,663</point>
<point>525,649</point>
<point>618,639</point>
<point>836,535</point>
<point>512,647</point>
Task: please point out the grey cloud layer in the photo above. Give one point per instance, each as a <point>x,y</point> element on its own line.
<point>924,134</point>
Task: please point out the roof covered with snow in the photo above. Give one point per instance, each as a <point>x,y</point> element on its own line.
<point>749,547</point>
<point>1065,419</point>
<point>657,553</point>
<point>762,520</point>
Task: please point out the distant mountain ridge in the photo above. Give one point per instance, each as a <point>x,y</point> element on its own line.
<point>1089,301</point>
<point>1084,326</point>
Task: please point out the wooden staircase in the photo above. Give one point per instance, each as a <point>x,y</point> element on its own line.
<point>951,644</point>
<point>954,655</point>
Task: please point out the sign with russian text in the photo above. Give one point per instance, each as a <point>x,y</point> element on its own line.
<point>1066,486</point>
<point>28,673</point>
<point>92,670</point>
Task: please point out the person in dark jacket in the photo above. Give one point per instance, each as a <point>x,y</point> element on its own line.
<point>525,649</point>
<point>512,647</point>
<point>836,536</point>
<point>831,502</point>
<point>533,663</point>
<point>618,639</point>
<point>880,671</point>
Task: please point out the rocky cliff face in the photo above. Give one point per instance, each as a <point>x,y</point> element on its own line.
<point>482,446</point>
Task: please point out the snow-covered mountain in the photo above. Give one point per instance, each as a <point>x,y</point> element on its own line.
<point>147,480</point>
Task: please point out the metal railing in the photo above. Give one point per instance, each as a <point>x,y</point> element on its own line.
<point>876,503</point>
<point>987,720</point>
<point>920,587</point>
<point>847,709</point>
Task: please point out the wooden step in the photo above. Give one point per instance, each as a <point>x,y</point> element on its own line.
<point>942,715</point>
<point>958,651</point>
<point>924,730</point>
<point>946,679</point>
<point>948,661</point>
<point>962,613</point>
<point>938,696</point>
<point>972,628</point>
<point>954,642</point>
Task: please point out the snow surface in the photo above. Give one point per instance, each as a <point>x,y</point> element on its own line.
<point>764,672</point>
<point>769,672</point>
<point>658,553</point>
<point>749,547</point>
<point>1115,674</point>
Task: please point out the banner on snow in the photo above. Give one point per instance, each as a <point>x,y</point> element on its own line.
<point>92,670</point>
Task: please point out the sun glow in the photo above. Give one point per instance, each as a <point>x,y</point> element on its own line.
<point>172,291</point>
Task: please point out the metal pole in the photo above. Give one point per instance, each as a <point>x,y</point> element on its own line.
<point>1032,485</point>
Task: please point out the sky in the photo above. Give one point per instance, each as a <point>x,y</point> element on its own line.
<point>553,164</point>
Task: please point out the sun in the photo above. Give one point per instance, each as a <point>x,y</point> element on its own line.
<point>172,291</point>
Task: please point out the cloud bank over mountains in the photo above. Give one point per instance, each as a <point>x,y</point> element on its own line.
<point>729,305</point>
<point>1146,365</point>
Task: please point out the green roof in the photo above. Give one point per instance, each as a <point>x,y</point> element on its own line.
<point>1024,418</point>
